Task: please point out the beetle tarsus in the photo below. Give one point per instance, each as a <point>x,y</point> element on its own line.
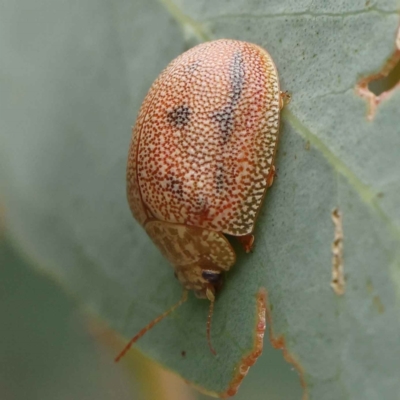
<point>247,241</point>
<point>271,176</point>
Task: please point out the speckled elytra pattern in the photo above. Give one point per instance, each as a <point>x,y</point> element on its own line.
<point>205,139</point>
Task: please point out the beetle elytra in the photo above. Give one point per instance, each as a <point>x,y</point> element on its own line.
<point>201,159</point>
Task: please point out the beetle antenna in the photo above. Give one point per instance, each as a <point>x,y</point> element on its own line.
<point>210,313</point>
<point>151,324</point>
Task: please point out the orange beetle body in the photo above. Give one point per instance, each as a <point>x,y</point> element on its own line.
<point>202,157</point>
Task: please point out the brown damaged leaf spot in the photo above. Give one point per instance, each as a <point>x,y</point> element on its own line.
<point>363,87</point>
<point>279,342</point>
<point>338,282</point>
<point>248,360</point>
<point>110,338</point>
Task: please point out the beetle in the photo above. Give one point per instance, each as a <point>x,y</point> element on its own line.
<point>201,159</point>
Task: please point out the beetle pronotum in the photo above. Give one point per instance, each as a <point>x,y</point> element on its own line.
<point>201,159</point>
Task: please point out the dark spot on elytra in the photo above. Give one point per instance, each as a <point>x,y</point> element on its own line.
<point>175,186</point>
<point>201,203</point>
<point>179,117</point>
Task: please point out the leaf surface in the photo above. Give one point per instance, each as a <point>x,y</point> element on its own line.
<point>73,78</point>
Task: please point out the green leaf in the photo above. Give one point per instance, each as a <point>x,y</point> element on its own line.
<point>73,76</point>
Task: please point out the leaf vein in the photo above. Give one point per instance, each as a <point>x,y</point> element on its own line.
<point>306,13</point>
<point>365,192</point>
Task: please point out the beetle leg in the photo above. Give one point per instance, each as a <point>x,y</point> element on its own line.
<point>284,99</point>
<point>271,176</point>
<point>247,241</point>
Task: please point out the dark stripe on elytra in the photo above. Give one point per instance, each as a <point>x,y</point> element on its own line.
<point>179,117</point>
<point>226,116</point>
<point>237,77</point>
<point>175,186</point>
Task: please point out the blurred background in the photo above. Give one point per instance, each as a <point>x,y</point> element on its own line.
<point>49,347</point>
<point>51,350</point>
<point>59,81</point>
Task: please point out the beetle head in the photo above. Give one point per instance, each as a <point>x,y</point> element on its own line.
<point>205,282</point>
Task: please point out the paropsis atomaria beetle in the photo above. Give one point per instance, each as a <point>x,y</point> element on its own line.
<point>201,159</point>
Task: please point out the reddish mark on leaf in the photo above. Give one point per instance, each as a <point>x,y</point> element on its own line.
<point>363,88</point>
<point>279,342</point>
<point>248,360</point>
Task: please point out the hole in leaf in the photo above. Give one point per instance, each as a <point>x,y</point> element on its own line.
<point>379,86</point>
<point>386,83</point>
